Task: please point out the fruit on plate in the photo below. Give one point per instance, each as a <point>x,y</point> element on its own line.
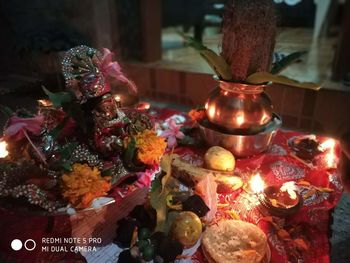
<point>218,158</point>
<point>187,229</point>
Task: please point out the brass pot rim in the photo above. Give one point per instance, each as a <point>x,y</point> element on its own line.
<point>239,87</point>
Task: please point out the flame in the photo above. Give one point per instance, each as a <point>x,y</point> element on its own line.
<point>3,150</point>
<point>117,98</point>
<point>328,144</point>
<point>45,103</point>
<point>143,105</point>
<point>290,188</point>
<point>257,184</point>
<point>330,156</point>
<point>240,119</point>
<point>331,159</point>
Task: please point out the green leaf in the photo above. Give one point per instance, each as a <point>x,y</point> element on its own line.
<point>55,132</point>
<point>192,42</point>
<point>66,166</point>
<point>187,140</point>
<point>107,172</point>
<point>67,150</point>
<point>130,152</point>
<point>59,98</point>
<point>286,61</point>
<point>6,111</point>
<point>160,192</point>
<point>74,110</point>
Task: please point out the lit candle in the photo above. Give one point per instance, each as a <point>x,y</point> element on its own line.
<point>257,184</point>
<point>3,149</point>
<point>118,101</point>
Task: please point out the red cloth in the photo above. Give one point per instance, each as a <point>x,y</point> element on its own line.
<point>275,166</point>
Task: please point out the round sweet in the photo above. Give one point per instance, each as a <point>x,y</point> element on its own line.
<point>234,241</point>
<point>218,158</point>
<point>187,228</point>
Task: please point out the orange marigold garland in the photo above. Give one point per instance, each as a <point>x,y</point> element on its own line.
<point>150,147</point>
<point>81,186</point>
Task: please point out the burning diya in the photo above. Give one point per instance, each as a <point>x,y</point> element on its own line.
<point>280,200</point>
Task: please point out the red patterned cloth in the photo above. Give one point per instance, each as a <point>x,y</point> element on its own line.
<point>275,166</point>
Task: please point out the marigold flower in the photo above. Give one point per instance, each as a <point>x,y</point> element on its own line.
<point>197,114</point>
<point>150,147</point>
<point>81,186</point>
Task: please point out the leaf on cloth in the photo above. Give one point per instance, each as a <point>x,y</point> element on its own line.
<point>310,193</point>
<point>160,192</point>
<point>283,234</point>
<point>301,244</point>
<point>325,189</point>
<point>303,183</point>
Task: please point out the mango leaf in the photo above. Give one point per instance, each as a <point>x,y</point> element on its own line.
<point>55,132</point>
<point>278,66</point>
<point>130,151</point>
<point>159,194</point>
<point>67,150</point>
<point>264,77</point>
<point>6,111</point>
<point>59,98</point>
<point>192,42</point>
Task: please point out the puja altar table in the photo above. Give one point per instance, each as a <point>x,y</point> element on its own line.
<point>302,237</point>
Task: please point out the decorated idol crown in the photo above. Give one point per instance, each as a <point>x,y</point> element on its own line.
<point>86,72</point>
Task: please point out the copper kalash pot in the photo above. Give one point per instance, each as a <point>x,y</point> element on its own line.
<point>240,118</point>
<point>233,106</point>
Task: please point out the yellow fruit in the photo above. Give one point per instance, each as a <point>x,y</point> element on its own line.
<point>218,158</point>
<point>187,229</point>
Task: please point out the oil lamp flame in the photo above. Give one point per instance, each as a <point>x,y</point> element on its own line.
<point>45,103</point>
<point>330,157</point>
<point>3,150</point>
<point>328,144</point>
<point>118,100</point>
<point>257,184</point>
